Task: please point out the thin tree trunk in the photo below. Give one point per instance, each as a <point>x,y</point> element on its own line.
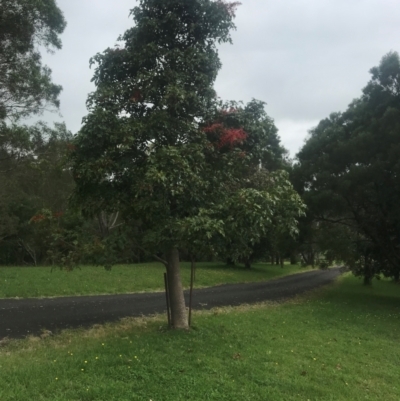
<point>367,271</point>
<point>192,267</point>
<point>312,258</point>
<point>31,252</point>
<point>396,276</point>
<point>367,280</point>
<point>179,318</point>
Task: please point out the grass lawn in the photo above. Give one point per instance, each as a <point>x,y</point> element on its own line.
<point>26,282</point>
<point>338,343</point>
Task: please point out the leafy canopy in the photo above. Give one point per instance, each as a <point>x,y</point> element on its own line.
<point>157,144</point>
<point>25,85</point>
<point>350,170</point>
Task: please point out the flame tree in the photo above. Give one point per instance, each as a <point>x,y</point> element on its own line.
<point>154,147</point>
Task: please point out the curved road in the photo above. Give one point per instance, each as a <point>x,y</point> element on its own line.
<point>21,317</point>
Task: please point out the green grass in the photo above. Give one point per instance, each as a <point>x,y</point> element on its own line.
<point>26,282</point>
<point>339,343</point>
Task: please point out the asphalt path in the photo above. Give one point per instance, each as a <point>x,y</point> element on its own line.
<point>31,316</point>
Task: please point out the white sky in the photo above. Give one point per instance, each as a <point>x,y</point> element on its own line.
<point>305,58</point>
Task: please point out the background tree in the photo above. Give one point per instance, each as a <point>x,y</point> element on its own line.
<point>350,166</point>
<point>25,85</point>
<point>147,149</point>
<point>259,146</point>
<point>35,177</point>
<point>29,156</point>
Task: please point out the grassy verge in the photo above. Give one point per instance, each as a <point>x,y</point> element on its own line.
<point>26,282</point>
<point>340,343</point>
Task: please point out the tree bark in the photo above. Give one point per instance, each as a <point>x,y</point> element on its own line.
<point>230,262</point>
<point>179,318</point>
<point>367,272</point>
<point>396,276</point>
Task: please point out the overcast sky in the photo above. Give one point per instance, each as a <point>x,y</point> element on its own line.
<point>304,58</point>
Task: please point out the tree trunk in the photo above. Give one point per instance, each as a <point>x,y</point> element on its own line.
<point>367,273</point>
<point>396,276</point>
<point>293,258</point>
<point>277,258</point>
<point>179,318</point>
<point>247,263</point>
<point>312,258</point>
<point>230,262</point>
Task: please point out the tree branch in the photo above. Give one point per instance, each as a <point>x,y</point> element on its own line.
<point>164,262</point>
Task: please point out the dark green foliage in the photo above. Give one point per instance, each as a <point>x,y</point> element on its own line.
<point>33,177</point>
<point>145,148</point>
<point>25,85</point>
<point>350,170</point>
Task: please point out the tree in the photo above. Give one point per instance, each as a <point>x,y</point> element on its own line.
<point>350,169</point>
<point>31,172</point>
<point>150,147</point>
<point>35,177</point>
<point>263,158</point>
<point>25,85</point>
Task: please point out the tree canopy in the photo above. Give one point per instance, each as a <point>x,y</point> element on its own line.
<point>350,172</point>
<point>31,172</point>
<point>25,84</point>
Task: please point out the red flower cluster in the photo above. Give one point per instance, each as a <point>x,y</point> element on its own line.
<point>232,137</point>
<point>37,218</point>
<point>216,127</point>
<point>227,136</point>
